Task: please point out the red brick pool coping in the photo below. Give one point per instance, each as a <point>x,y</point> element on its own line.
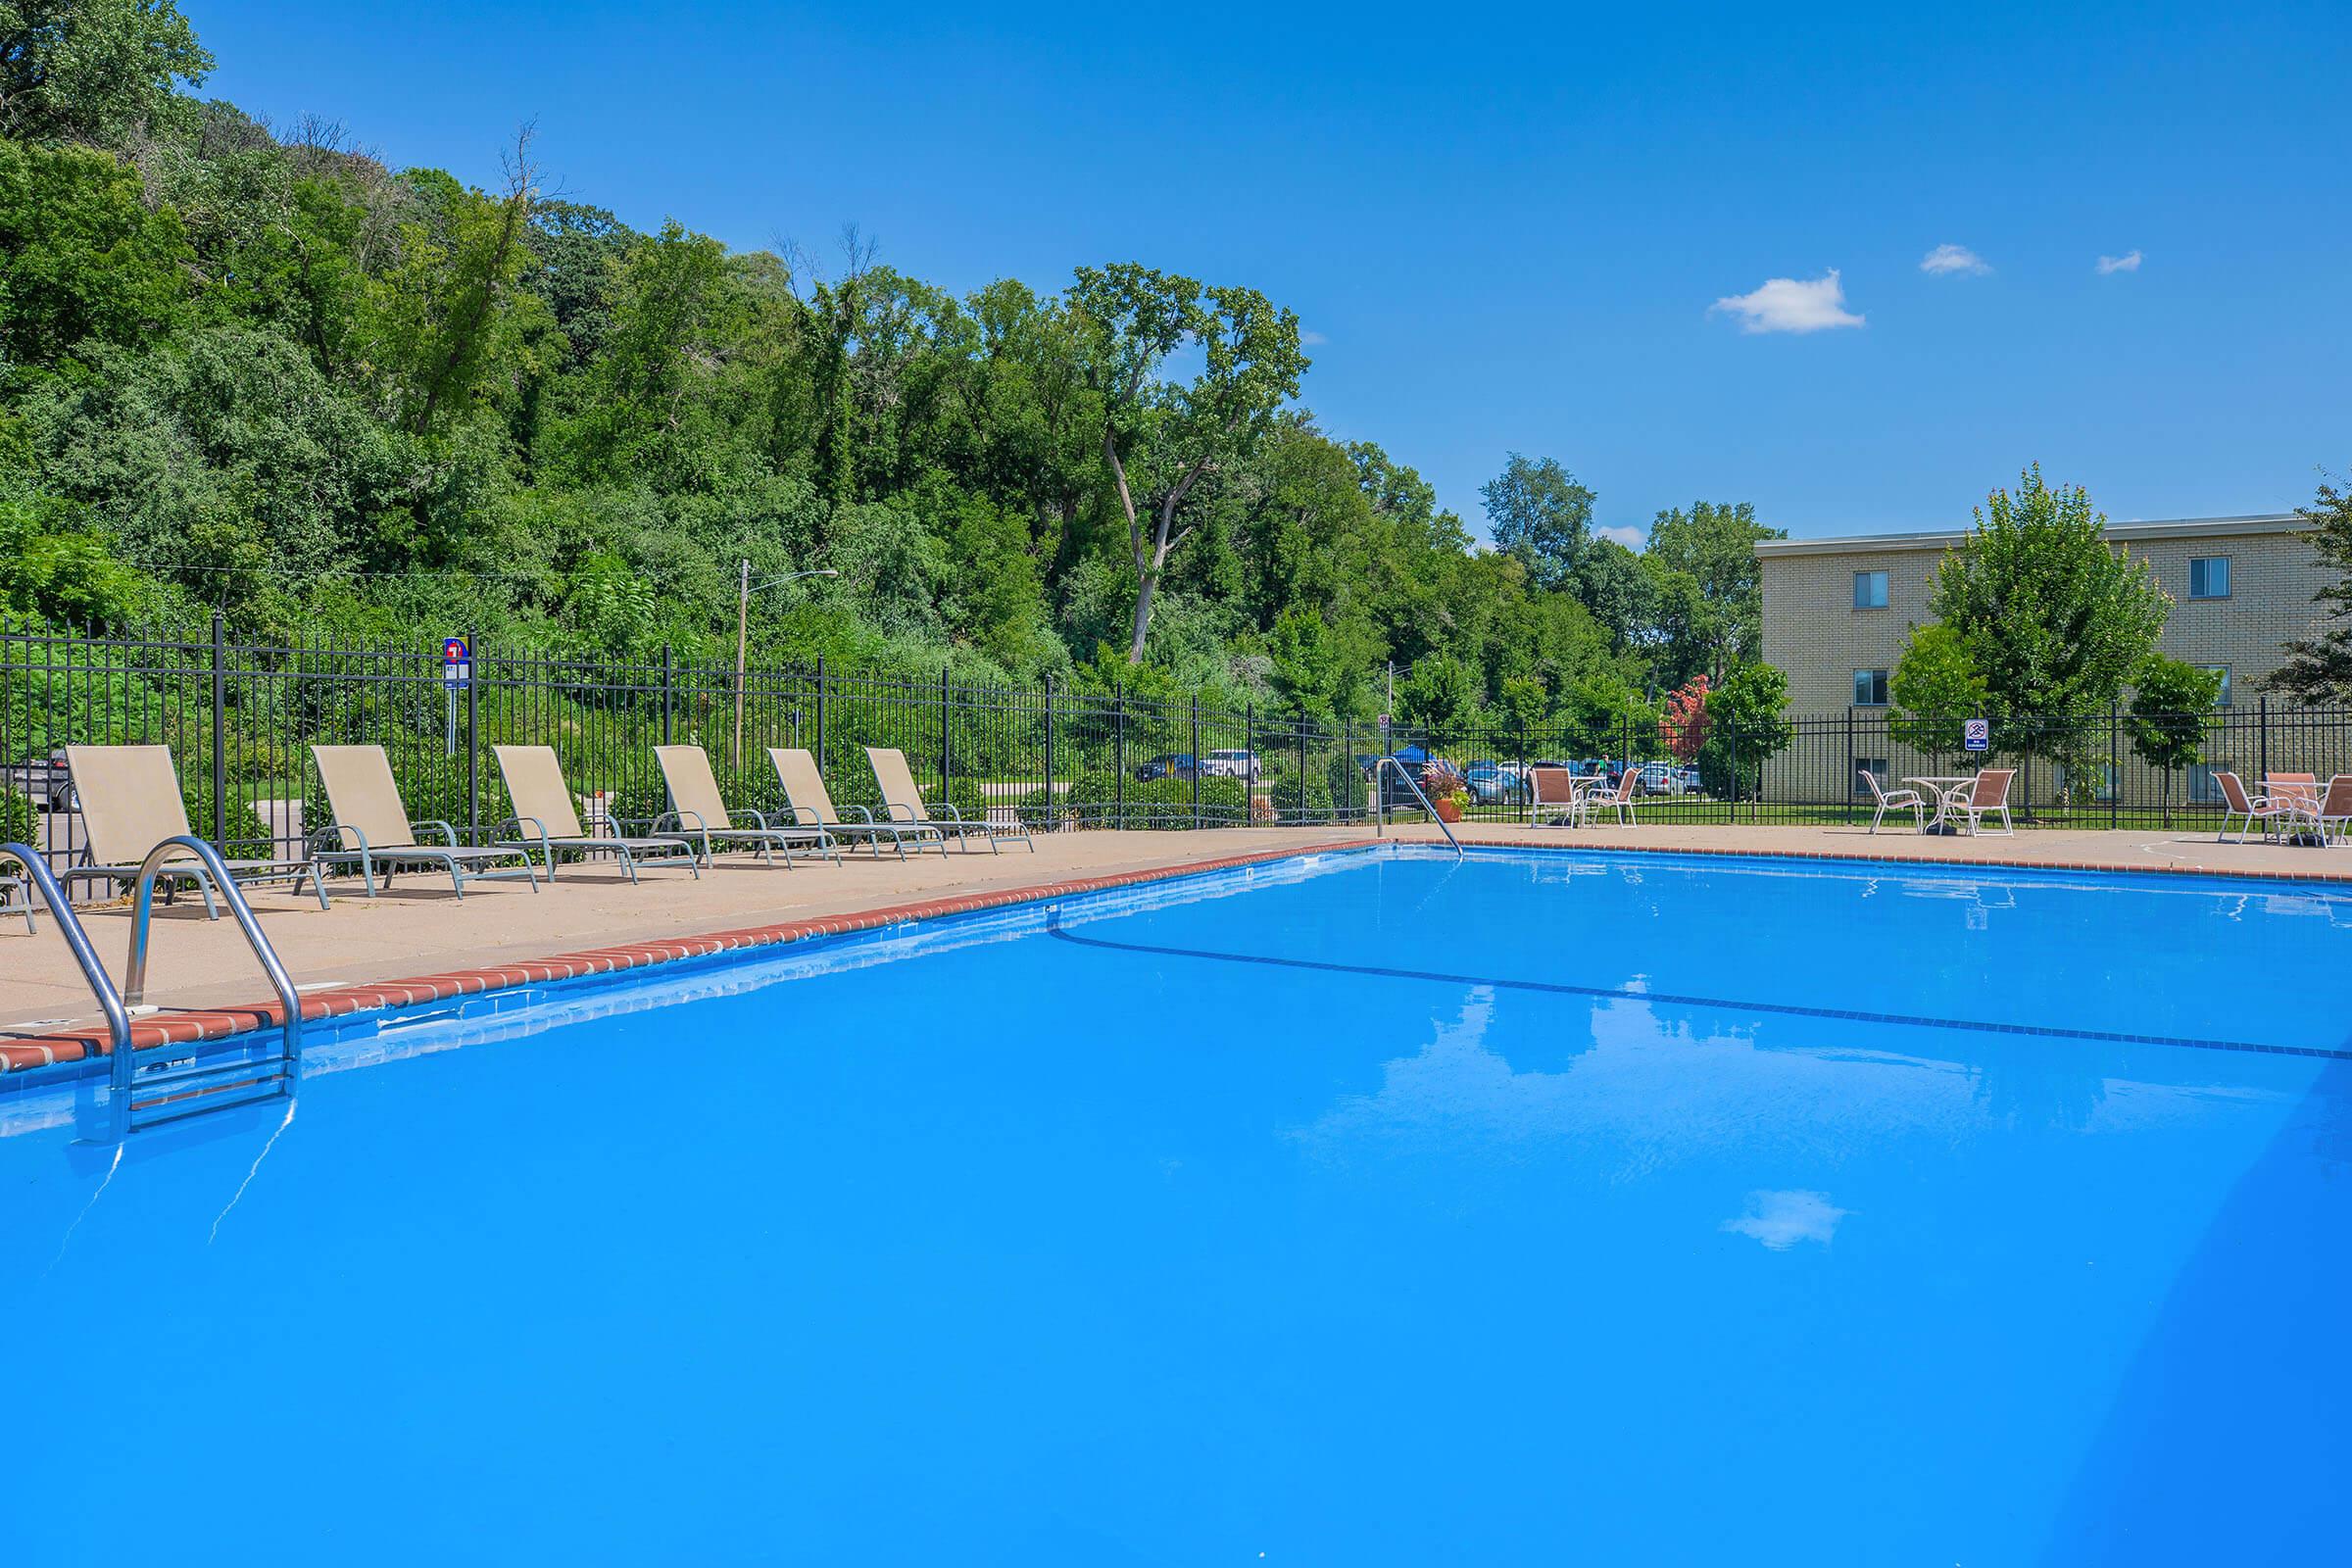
<point>189,1027</point>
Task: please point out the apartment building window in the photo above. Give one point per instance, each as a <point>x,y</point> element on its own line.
<point>2204,784</point>
<point>1870,688</point>
<point>2208,577</point>
<point>1870,765</point>
<point>1869,590</point>
<point>2220,698</point>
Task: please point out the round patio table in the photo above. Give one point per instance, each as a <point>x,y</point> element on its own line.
<point>1947,788</point>
<point>2305,792</point>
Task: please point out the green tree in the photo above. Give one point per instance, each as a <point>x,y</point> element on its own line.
<point>1161,438</point>
<point>2319,668</point>
<point>82,258</point>
<point>1305,673</point>
<point>2056,618</point>
<point>1937,689</point>
<point>1747,726</point>
<point>1709,598</point>
<point>1537,512</point>
<point>93,70</point>
<point>2170,706</point>
<point>1440,695</point>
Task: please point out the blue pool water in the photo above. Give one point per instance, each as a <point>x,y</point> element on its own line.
<point>1376,1210</point>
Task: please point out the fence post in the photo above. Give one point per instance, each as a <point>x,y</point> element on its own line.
<point>2115,758</point>
<point>821,716</point>
<point>947,754</point>
<point>1849,761</point>
<point>1250,747</point>
<point>1195,760</point>
<point>474,740</point>
<point>1730,732</point>
<point>1348,768</point>
<point>1301,721</point>
<point>2266,736</point>
<point>667,681</point>
<point>1052,806</point>
<point>219,734</point>
<point>1119,754</point>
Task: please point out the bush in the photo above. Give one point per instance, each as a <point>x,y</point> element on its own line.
<point>1099,798</point>
<point>16,818</point>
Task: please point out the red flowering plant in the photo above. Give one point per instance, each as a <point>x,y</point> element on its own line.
<point>1682,726</point>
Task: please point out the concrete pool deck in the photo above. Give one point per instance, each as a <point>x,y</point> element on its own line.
<point>417,930</point>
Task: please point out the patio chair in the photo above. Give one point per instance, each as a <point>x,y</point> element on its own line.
<point>130,803</point>
<point>1619,800</point>
<point>699,811</point>
<point>1551,794</point>
<point>2236,803</point>
<point>902,802</point>
<point>373,831</point>
<point>811,805</point>
<point>16,898</point>
<point>1899,800</point>
<point>2323,812</point>
<point>1987,794</point>
<point>545,819</point>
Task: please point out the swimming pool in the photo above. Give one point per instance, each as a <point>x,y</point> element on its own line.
<point>1369,1208</point>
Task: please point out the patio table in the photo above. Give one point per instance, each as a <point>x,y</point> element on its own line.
<point>2301,795</point>
<point>1947,788</point>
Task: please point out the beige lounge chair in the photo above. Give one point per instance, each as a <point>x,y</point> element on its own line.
<point>1552,793</point>
<point>373,831</point>
<point>2238,804</point>
<point>1899,800</point>
<point>811,805</point>
<point>545,818</point>
<point>903,804</point>
<point>130,803</point>
<point>700,811</point>
<point>1985,795</point>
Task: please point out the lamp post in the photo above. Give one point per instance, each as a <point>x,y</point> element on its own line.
<point>743,620</point>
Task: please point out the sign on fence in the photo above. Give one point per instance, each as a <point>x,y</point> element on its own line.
<point>1977,734</point>
<point>457,661</point>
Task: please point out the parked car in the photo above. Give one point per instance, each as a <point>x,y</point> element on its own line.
<point>1496,783</point>
<point>1229,765</point>
<point>1169,764</point>
<point>1663,778</point>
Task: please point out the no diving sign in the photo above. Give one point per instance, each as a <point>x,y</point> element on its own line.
<point>1977,734</point>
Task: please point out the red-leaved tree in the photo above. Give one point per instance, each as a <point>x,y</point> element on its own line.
<point>1682,726</point>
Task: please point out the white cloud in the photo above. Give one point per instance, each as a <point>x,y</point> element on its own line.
<point>1781,1220</point>
<point>1787,305</point>
<point>1313,340</point>
<point>1948,259</point>
<point>2128,262</point>
<point>1630,537</point>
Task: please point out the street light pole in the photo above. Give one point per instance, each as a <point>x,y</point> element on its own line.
<point>742,617</point>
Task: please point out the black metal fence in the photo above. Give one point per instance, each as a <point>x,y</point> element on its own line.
<point>240,717</point>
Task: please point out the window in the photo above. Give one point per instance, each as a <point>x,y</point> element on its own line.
<point>2102,785</point>
<point>2208,577</point>
<point>1869,590</point>
<point>2204,788</point>
<point>1870,765</point>
<point>1870,688</point>
<point>2220,698</point>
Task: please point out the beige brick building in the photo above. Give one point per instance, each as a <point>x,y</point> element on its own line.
<point>1836,611</point>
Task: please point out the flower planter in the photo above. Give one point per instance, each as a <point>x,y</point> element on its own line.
<point>1448,811</point>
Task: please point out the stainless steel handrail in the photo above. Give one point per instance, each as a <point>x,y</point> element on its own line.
<point>134,974</point>
<point>1380,813</point>
<point>78,940</point>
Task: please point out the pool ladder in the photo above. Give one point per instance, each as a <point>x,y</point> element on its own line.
<point>167,1083</point>
<point>1380,816</point>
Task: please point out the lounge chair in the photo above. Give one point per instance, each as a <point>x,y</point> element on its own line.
<point>1985,795</point>
<point>373,831</point>
<point>811,805</point>
<point>1619,800</point>
<point>700,811</point>
<point>1898,801</point>
<point>545,818</point>
<point>130,803</point>
<point>2325,810</point>
<point>1552,793</point>
<point>2252,809</point>
<point>903,804</point>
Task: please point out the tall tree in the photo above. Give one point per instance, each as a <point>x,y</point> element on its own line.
<point>1719,615</point>
<point>1537,512</point>
<point>2319,668</point>
<point>92,69</point>
<point>1161,437</point>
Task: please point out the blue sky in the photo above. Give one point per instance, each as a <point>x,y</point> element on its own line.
<point>1510,231</point>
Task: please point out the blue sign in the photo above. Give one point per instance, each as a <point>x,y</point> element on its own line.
<point>1977,735</point>
<point>457,661</point>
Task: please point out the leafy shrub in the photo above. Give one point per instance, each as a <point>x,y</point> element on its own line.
<point>16,818</point>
